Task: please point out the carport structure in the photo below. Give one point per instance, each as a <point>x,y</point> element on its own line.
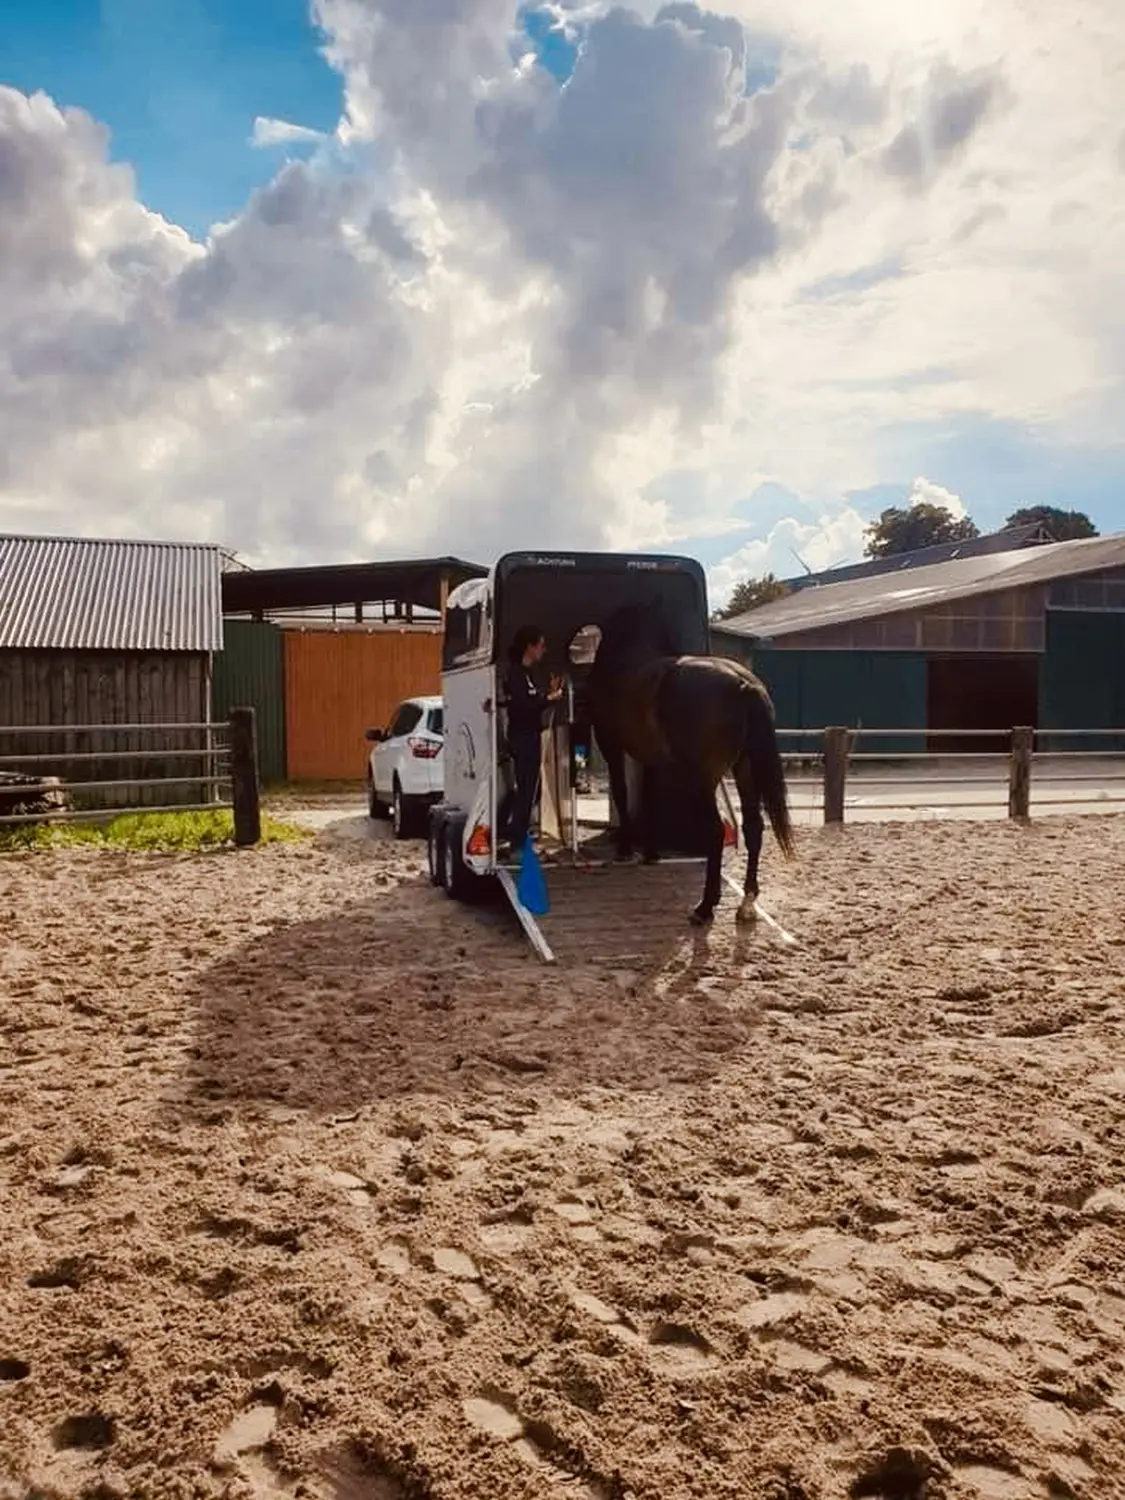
<point>372,591</point>
<point>325,652</point>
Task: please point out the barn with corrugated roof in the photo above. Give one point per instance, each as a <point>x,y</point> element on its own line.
<point>986,642</point>
<point>97,632</point>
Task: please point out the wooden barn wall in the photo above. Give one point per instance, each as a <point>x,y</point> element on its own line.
<point>250,673</point>
<point>338,685</point>
<point>91,687</point>
<point>859,689</point>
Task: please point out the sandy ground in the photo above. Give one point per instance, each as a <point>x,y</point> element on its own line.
<point>315,1185</point>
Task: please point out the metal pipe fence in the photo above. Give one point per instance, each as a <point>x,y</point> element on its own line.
<point>842,777</point>
<point>225,774</point>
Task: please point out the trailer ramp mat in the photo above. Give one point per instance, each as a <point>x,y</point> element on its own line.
<point>616,914</point>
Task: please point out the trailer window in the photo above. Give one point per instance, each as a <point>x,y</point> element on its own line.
<point>462,634</point>
<point>467,623</point>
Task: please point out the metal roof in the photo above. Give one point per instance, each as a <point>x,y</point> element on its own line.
<point>923,588</point>
<point>1008,540</point>
<point>81,594</point>
<point>417,581</point>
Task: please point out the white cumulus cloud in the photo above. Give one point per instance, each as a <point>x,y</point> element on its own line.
<point>270,132</point>
<point>501,312</point>
<point>925,492</point>
<point>790,547</point>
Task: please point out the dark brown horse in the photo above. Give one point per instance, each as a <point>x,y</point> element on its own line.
<point>703,714</point>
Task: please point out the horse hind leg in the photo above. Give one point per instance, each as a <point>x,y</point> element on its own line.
<point>753,830</point>
<point>702,914</point>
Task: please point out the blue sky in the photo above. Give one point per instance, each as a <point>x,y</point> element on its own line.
<point>178,83</point>
<point>949,327</point>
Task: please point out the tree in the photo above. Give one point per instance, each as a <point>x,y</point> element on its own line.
<point>750,593</point>
<point>1064,525</point>
<point>920,525</point>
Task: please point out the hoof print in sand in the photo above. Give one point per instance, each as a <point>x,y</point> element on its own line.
<point>394,1257</point>
<point>580,1217</point>
<point>245,1231</point>
<point>67,1179</point>
<point>65,1273</point>
<point>769,1311</point>
<point>356,1189</point>
<point>90,1432</point>
<point>349,1474</point>
<point>601,1311</point>
<point>899,1474</point>
<point>14,1369</point>
<point>493,1416</point>
<point>533,1442</point>
<point>455,1263</point>
<point>681,1345</point>
<point>250,1430</point>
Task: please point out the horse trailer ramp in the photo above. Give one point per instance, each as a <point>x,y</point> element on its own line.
<point>613,914</point>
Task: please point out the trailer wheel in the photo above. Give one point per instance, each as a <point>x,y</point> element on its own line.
<point>457,878</point>
<point>435,839</point>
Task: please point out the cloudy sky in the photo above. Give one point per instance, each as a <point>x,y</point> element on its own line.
<point>387,277</point>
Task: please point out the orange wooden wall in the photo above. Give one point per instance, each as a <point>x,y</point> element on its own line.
<point>337,685</point>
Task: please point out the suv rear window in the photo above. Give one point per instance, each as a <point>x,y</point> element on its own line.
<point>405,720</point>
<point>436,721</point>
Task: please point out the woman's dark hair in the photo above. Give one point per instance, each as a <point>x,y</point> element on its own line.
<point>525,636</point>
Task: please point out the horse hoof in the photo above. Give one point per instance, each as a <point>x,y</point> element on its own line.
<point>747,913</point>
<point>701,916</point>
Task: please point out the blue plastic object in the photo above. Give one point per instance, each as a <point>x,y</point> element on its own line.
<point>531,887</point>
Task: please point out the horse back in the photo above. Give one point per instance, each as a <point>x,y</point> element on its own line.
<point>703,706</point>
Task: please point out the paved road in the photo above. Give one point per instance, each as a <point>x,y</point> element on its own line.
<point>898,793</point>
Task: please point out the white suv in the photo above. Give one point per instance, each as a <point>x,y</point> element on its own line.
<point>404,767</point>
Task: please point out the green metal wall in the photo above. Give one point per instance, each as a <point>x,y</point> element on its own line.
<point>1082,678</point>
<point>250,672</point>
<point>860,689</point>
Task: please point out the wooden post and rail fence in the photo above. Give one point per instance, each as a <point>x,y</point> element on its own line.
<point>837,746</point>
<point>222,769</point>
<point>219,770</point>
<point>838,755</point>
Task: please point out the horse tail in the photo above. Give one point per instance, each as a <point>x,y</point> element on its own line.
<point>761,749</point>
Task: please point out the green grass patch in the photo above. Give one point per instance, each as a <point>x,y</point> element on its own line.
<point>162,833</point>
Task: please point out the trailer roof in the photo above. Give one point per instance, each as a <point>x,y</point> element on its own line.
<point>599,562</point>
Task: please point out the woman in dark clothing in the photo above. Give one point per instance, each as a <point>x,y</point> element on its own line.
<point>526,704</point>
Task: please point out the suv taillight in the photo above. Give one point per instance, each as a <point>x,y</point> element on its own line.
<point>423,749</point>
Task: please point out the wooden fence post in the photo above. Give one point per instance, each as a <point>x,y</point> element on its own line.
<point>244,777</point>
<point>1019,773</point>
<point>835,773</point>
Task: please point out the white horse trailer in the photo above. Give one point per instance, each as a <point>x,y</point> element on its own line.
<point>567,595</point>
